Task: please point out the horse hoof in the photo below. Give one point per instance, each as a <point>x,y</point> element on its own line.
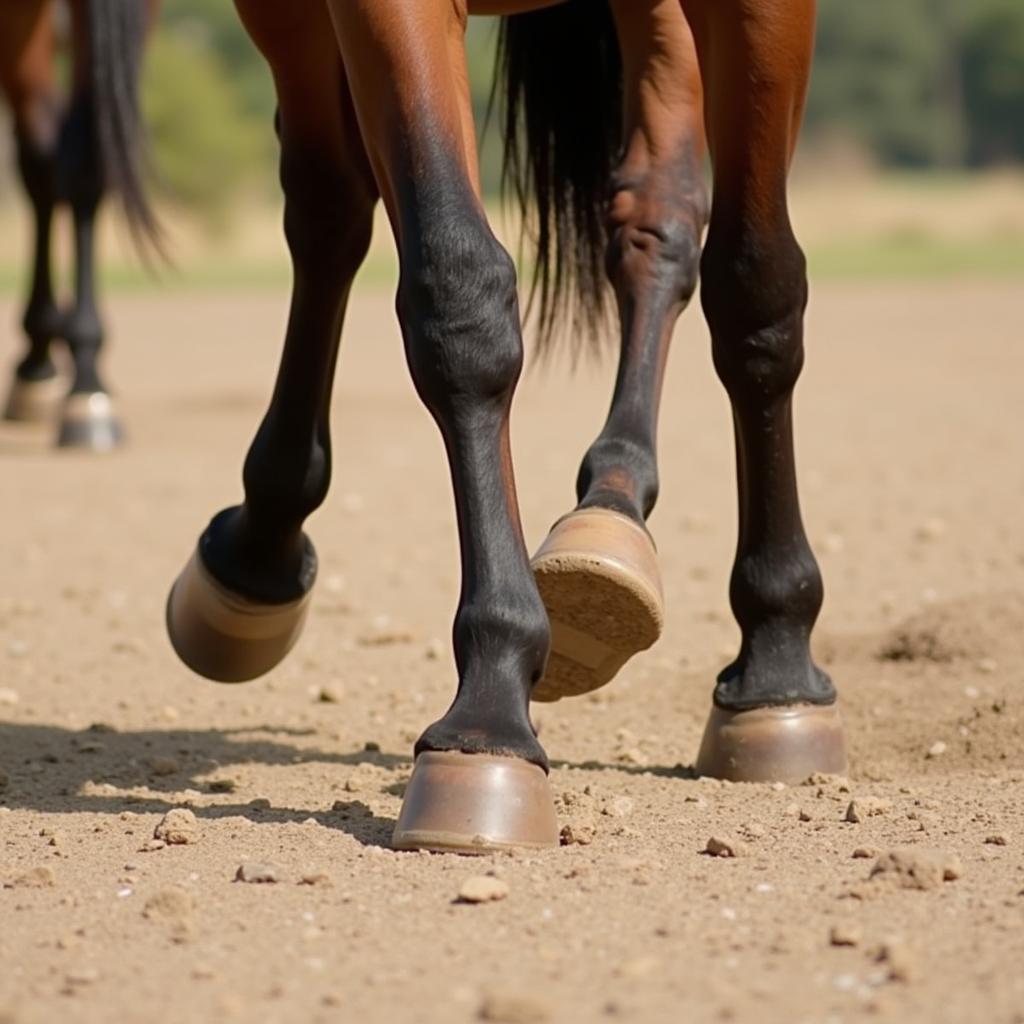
<point>33,401</point>
<point>475,803</point>
<point>224,636</point>
<point>773,744</point>
<point>89,422</point>
<point>598,577</point>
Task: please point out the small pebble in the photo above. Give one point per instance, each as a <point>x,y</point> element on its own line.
<point>259,874</point>
<point>178,827</point>
<point>223,785</point>
<point>8,696</point>
<point>900,963</point>
<point>847,934</point>
<point>717,847</point>
<point>482,889</point>
<point>937,749</point>
<point>320,878</point>
<point>161,766</point>
<point>866,807</point>
<point>996,840</point>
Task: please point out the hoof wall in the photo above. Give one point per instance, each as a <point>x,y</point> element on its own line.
<point>224,636</point>
<point>598,577</point>
<point>475,803</point>
<point>89,422</point>
<point>773,744</point>
<point>33,401</point>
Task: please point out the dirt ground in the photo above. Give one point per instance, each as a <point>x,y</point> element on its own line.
<point>910,422</point>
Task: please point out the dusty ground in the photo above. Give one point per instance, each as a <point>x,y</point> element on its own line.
<point>910,423</point>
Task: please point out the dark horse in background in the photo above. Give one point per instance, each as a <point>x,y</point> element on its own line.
<point>608,105</point>
<point>71,151</point>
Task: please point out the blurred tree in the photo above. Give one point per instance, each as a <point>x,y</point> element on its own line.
<point>992,53</point>
<point>921,82</point>
<point>206,146</point>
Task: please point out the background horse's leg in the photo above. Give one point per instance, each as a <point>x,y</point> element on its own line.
<point>88,420</point>
<point>239,605</point>
<point>598,575</point>
<point>27,81</point>
<point>480,769</point>
<point>774,716</point>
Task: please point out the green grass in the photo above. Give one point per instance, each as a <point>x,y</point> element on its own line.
<point>912,256</point>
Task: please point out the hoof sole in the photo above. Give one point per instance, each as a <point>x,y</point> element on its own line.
<point>224,636</point>
<point>33,401</point>
<point>88,422</point>
<point>598,577</point>
<point>773,744</point>
<point>475,803</point>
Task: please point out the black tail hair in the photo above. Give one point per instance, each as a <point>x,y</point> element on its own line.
<point>117,36</point>
<point>562,76</point>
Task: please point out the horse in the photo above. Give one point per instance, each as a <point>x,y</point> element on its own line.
<point>610,108</point>
<point>73,155</point>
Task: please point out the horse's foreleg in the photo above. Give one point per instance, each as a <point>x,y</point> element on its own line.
<point>240,604</point>
<point>597,570</point>
<point>774,714</point>
<point>480,771</point>
<point>27,81</point>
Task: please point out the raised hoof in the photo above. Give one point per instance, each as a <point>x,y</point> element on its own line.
<point>33,401</point>
<point>598,577</point>
<point>224,636</point>
<point>89,422</point>
<point>475,803</point>
<point>773,744</point>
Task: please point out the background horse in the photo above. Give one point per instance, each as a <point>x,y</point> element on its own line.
<point>606,109</point>
<point>72,153</point>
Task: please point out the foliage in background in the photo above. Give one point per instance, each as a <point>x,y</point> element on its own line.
<point>922,83</point>
<point>209,103</point>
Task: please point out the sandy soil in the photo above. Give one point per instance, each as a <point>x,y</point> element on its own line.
<point>909,426</point>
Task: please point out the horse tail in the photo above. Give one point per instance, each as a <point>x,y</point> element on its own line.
<point>561,73</point>
<point>117,36</point>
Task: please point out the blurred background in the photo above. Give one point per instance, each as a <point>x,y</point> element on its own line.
<point>910,162</point>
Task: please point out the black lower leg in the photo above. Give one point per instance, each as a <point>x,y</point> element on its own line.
<point>42,320</point>
<point>258,548</point>
<point>82,182</point>
<point>754,294</point>
<point>458,309</point>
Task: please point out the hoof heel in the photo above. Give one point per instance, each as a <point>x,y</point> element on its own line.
<point>598,577</point>
<point>778,744</point>
<point>224,636</point>
<point>88,422</point>
<point>33,401</point>
<point>475,803</point>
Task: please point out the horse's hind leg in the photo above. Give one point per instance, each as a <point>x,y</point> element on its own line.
<point>27,81</point>
<point>598,571</point>
<point>240,603</point>
<point>88,420</point>
<point>480,779</point>
<point>774,716</point>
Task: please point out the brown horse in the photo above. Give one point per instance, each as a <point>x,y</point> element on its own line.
<point>72,153</point>
<point>608,103</point>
